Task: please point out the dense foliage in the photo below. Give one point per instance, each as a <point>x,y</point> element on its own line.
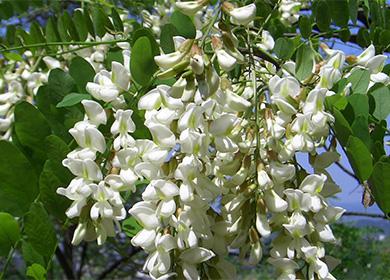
<point>188,116</point>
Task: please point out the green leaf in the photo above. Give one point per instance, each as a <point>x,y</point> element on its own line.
<point>39,231</point>
<point>13,56</point>
<point>353,9</point>
<point>62,29</point>
<point>341,126</point>
<point>57,149</point>
<point>363,37</point>
<point>72,31</point>
<point>304,62</point>
<point>18,184</point>
<point>60,119</point>
<point>359,157</point>
<point>325,159</point>
<point>166,38</point>
<point>142,32</point>
<point>51,32</point>
<point>31,129</point>
<point>131,227</point>
<point>380,186</point>
<point>305,26</point>
<point>113,55</point>
<point>359,104</point>
<point>82,72</point>
<point>54,203</point>
<point>340,11</point>
<point>61,83</point>
<point>80,24</point>
<point>323,15</point>
<point>284,48</point>
<point>36,33</point>
<point>338,101</point>
<point>100,21</point>
<point>360,130</point>
<point>88,22</point>
<point>6,10</point>
<point>9,233</point>
<point>142,65</point>
<point>183,25</point>
<point>116,20</point>
<point>29,254</point>
<point>381,96</point>
<point>36,272</point>
<point>360,78</point>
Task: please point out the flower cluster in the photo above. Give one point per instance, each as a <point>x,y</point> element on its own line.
<point>21,81</point>
<point>220,163</point>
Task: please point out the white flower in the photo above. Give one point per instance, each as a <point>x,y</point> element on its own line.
<point>120,76</point>
<point>86,169</point>
<point>51,62</point>
<point>164,192</point>
<point>159,262</point>
<point>103,88</point>
<point>108,203</point>
<point>236,102</point>
<point>88,136</point>
<point>78,191</point>
<point>312,185</point>
<point>315,264</point>
<point>123,125</point>
<point>267,42</point>
<point>162,135</point>
<point>366,55</point>
<point>190,8</point>
<point>167,61</point>
<point>284,267</point>
<point>281,172</point>
<point>274,202</point>
<point>145,239</point>
<point>264,180</point>
<point>145,214</point>
<point>262,225</point>
<point>243,15</point>
<point>225,60</point>
<point>95,112</point>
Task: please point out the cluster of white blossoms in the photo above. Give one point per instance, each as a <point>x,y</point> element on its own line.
<point>220,164</point>
<point>21,81</point>
<point>96,198</point>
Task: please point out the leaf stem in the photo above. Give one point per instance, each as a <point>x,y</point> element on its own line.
<point>48,44</point>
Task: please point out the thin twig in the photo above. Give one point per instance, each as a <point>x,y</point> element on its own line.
<point>371,215</point>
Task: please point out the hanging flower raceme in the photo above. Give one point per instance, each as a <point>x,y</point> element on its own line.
<point>219,164</point>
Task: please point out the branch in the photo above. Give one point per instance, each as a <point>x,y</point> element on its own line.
<point>117,263</point>
<point>262,54</point>
<point>64,264</point>
<point>343,168</point>
<point>378,216</point>
<point>82,260</point>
